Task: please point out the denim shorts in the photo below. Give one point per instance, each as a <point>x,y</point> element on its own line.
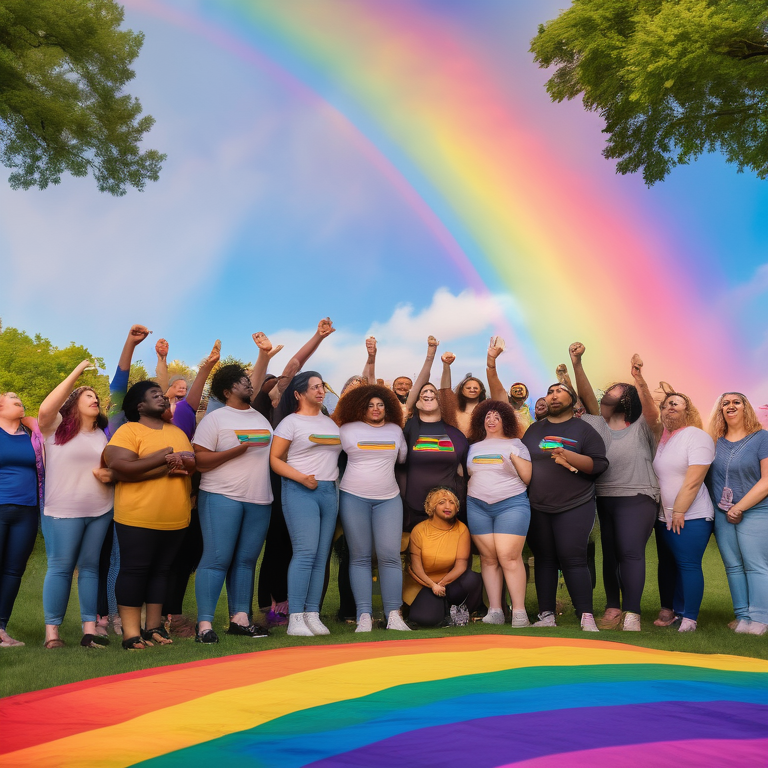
<point>511,516</point>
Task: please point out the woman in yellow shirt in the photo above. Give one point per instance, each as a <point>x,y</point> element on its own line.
<point>439,575</point>
<point>151,462</point>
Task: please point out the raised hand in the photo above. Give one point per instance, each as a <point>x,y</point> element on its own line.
<point>561,372</point>
<point>137,334</point>
<point>161,348</point>
<point>576,350</point>
<point>637,367</point>
<point>496,347</point>
<point>215,355</point>
<point>432,343</point>
<point>370,346</point>
<point>325,327</point>
<point>448,358</point>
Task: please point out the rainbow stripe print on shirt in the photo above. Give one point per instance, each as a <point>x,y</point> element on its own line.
<point>489,458</point>
<point>253,436</point>
<point>434,443</point>
<point>376,445</point>
<point>550,442</point>
<point>325,439</point>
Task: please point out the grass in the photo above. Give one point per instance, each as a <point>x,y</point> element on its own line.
<point>33,667</point>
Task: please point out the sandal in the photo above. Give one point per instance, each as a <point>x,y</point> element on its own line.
<point>157,635</point>
<point>666,618</point>
<point>55,642</point>
<point>94,641</point>
<point>135,644</point>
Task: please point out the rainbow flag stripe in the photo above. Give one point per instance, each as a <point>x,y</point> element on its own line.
<point>377,445</point>
<point>490,458</point>
<point>434,443</point>
<point>513,700</point>
<point>253,436</point>
<point>325,439</point>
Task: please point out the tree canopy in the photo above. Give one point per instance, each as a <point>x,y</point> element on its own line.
<point>63,67</point>
<point>671,78</point>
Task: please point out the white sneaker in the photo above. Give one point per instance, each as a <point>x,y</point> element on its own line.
<point>631,622</point>
<point>520,619</point>
<point>588,623</point>
<point>546,619</point>
<point>297,626</point>
<point>494,617</point>
<point>395,621</point>
<point>757,628</point>
<point>316,627</point>
<point>742,628</point>
<point>687,625</point>
<point>364,623</point>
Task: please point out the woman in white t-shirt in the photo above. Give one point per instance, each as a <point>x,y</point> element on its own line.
<point>498,511</point>
<point>232,451</point>
<point>305,453</point>
<point>686,521</point>
<point>370,422</point>
<point>78,507</point>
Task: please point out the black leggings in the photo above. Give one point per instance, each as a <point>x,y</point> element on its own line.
<point>146,556</point>
<point>428,610</point>
<point>185,562</point>
<point>278,551</point>
<point>626,523</point>
<point>559,541</point>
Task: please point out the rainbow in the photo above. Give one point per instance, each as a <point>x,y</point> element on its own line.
<point>524,701</point>
<point>511,209</point>
<point>434,443</point>
<point>377,445</point>
<point>494,458</point>
<point>253,436</point>
<point>325,439</point>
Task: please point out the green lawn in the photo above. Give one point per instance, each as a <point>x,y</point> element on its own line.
<point>33,667</point>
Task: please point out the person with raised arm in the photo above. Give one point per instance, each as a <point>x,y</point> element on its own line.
<point>369,369</point>
<point>151,462</point>
<point>370,423</point>
<point>567,456</point>
<point>175,387</point>
<point>305,453</point>
<point>498,511</point>
<point>738,485</point>
<point>518,392</point>
<point>77,508</point>
<point>232,451</point>
<point>22,476</point>
<point>628,491</point>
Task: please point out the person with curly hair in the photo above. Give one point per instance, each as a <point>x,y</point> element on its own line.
<point>567,456</point>
<point>687,518</point>
<point>232,451</point>
<point>151,462</point>
<point>370,422</point>
<point>498,511</point>
<point>628,491</point>
<point>77,509</point>
<point>305,453</point>
<point>738,485</point>
<point>439,574</point>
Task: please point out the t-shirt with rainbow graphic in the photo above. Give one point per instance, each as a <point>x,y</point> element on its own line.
<point>315,444</point>
<point>372,453</point>
<point>492,475</point>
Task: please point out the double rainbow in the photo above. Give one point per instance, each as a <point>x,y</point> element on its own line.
<point>523,701</point>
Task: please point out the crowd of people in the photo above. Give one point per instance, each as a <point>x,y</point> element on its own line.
<point>407,482</point>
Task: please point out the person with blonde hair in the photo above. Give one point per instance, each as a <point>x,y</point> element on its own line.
<point>439,576</point>
<point>738,485</point>
<point>686,519</point>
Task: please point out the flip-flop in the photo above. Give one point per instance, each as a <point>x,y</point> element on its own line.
<point>94,641</point>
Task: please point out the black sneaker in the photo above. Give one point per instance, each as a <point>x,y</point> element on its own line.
<point>207,636</point>
<point>252,630</point>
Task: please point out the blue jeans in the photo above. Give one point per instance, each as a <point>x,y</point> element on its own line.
<point>681,578</point>
<point>369,524</point>
<point>744,549</point>
<point>311,520</point>
<point>18,530</point>
<point>70,542</point>
<point>233,535</point>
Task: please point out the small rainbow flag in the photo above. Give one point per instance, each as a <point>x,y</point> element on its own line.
<point>491,458</point>
<point>377,445</point>
<point>434,443</point>
<point>325,439</point>
<point>253,436</point>
<point>550,442</point>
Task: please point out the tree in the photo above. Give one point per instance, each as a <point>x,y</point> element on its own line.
<point>672,78</point>
<point>32,367</point>
<point>63,67</point>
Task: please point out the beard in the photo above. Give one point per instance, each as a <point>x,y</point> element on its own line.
<point>673,422</point>
<point>559,409</point>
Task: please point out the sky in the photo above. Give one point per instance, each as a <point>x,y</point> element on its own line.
<point>400,168</point>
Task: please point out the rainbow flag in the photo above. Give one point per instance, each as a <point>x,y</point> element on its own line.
<point>550,442</point>
<point>479,700</point>
<point>253,436</point>
<point>325,439</point>
<point>434,443</point>
<point>377,445</point>
<point>491,458</point>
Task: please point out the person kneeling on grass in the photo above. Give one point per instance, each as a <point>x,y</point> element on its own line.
<point>439,578</point>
